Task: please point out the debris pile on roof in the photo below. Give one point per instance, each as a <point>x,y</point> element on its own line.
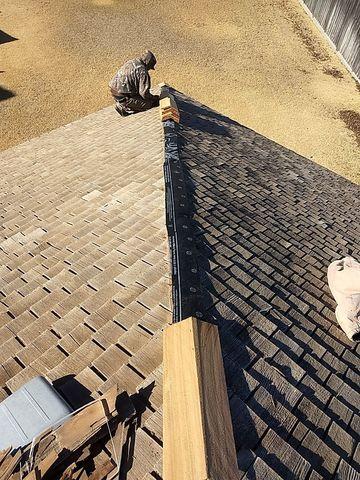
<point>88,445</point>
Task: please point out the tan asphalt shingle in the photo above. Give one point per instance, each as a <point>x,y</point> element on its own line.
<point>84,276</point>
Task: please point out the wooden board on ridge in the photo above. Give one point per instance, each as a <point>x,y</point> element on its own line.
<point>198,436</point>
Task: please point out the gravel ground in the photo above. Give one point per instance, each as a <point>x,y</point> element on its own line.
<point>260,62</point>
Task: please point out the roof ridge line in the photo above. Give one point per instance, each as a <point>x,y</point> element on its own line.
<point>179,212</point>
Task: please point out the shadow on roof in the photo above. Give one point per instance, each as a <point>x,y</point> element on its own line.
<point>140,401</point>
<point>73,391</point>
<point>207,120</point>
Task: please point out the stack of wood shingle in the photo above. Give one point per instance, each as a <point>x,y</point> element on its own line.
<point>88,445</point>
<point>168,109</point>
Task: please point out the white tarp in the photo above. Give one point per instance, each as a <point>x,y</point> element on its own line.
<point>344,283</point>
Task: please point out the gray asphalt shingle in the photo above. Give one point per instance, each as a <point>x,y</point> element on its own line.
<point>268,222</point>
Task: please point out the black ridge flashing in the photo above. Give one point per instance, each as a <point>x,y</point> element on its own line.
<point>179,212</point>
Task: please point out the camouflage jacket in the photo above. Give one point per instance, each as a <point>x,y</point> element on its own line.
<point>132,79</point>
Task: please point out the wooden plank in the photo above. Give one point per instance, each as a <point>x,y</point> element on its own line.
<point>103,466</point>
<point>9,464</point>
<point>198,436</point>
<point>168,102</point>
<point>170,116</point>
<point>71,435</point>
<point>184,448</point>
<point>117,442</point>
<point>115,445</point>
<point>173,110</point>
<point>170,112</point>
<point>4,453</point>
<point>55,446</point>
<point>80,427</point>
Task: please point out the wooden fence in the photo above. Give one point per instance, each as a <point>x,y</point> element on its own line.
<point>340,20</point>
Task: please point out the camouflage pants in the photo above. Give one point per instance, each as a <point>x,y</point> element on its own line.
<point>136,104</point>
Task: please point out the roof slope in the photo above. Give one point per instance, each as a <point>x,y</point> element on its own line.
<point>84,276</point>
<point>267,224</point>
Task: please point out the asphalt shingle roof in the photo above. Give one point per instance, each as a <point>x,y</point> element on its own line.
<point>85,281</point>
<point>267,223</point>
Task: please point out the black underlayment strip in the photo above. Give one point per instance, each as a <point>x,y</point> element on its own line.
<point>185,276</point>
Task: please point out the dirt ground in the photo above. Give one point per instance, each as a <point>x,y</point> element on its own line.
<point>260,62</point>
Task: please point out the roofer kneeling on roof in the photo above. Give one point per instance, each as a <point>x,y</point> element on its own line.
<point>131,85</point>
